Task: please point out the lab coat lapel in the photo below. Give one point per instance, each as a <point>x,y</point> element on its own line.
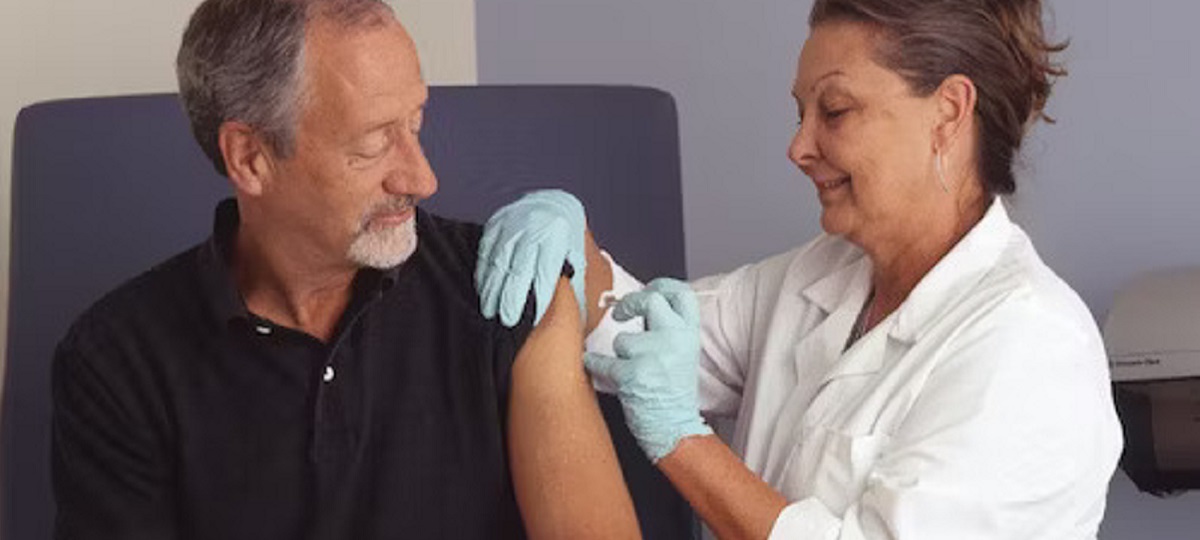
<point>841,294</point>
<point>817,352</point>
<point>863,358</point>
<point>942,287</point>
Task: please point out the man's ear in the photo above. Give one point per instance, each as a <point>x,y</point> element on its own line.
<point>956,100</point>
<point>248,158</point>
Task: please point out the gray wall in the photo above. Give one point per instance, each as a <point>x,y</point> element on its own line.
<point>1106,193</point>
<point>729,66</point>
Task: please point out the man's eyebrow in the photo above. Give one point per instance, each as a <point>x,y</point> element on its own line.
<point>385,123</point>
<point>378,126</point>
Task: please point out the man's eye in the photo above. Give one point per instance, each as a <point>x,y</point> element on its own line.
<point>375,146</point>
<point>372,153</point>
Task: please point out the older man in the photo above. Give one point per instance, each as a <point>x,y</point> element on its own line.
<point>318,368</point>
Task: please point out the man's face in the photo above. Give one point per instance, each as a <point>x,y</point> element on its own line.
<point>358,170</point>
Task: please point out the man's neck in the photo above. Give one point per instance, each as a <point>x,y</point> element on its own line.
<point>290,285</point>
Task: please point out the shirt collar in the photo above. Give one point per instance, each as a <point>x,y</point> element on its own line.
<point>216,272</point>
<point>850,283</point>
<point>216,268</point>
<point>956,274</point>
<point>952,277</point>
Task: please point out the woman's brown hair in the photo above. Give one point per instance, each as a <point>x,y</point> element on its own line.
<point>999,44</point>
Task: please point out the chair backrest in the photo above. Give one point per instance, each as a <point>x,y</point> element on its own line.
<point>103,188</point>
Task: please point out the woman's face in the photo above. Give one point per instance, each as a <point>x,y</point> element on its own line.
<point>865,139</point>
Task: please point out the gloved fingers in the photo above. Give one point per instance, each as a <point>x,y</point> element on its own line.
<point>513,297</point>
<point>574,254</point>
<point>634,346</point>
<point>567,202</point>
<point>545,276</point>
<point>486,272</point>
<point>666,285</point>
<point>563,207</point>
<point>482,267</point>
<point>489,293</point>
<point>625,346</point>
<point>515,292</point>
<point>545,194</point>
<point>495,259</point>
<point>649,304</point>
<point>500,229</point>
<point>631,305</point>
<point>579,280</point>
<point>556,198</point>
<point>605,369</point>
<point>492,229</point>
<point>681,297</point>
<point>655,346</point>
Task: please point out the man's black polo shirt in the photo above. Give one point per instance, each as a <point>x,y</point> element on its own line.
<point>177,413</point>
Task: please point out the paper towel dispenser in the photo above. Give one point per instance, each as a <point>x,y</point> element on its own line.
<point>1153,339</point>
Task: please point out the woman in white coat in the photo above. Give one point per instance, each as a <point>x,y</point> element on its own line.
<point>916,372</point>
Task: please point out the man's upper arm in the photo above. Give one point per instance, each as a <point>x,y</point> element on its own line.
<point>565,472</point>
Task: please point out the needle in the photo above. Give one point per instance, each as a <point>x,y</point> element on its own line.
<point>609,298</point>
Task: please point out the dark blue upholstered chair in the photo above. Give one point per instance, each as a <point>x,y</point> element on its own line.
<point>103,188</point>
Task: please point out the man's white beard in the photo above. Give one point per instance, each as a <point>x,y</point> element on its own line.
<point>385,247</point>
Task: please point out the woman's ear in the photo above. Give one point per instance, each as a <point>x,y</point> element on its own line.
<point>956,100</point>
<point>247,157</point>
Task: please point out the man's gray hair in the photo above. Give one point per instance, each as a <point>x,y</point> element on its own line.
<point>244,60</point>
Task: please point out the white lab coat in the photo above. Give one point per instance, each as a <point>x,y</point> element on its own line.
<point>980,408</point>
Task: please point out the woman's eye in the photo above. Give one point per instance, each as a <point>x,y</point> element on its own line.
<point>834,114</point>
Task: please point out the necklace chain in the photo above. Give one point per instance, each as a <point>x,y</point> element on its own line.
<point>863,320</point>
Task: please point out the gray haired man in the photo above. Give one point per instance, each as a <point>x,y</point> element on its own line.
<point>318,368</point>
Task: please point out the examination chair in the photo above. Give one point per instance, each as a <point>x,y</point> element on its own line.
<point>103,188</point>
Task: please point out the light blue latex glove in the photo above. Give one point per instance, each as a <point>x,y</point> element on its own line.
<point>525,244</point>
<point>656,372</point>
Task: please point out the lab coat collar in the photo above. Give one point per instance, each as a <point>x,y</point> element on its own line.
<point>946,282</point>
<point>955,275</point>
<point>840,294</point>
<point>850,283</point>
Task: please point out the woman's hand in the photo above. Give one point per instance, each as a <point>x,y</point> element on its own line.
<point>524,246</point>
<point>655,372</point>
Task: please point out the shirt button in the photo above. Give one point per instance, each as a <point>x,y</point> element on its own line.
<point>328,374</point>
<point>263,329</point>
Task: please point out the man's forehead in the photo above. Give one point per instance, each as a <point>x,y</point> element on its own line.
<point>357,77</point>
<point>384,49</point>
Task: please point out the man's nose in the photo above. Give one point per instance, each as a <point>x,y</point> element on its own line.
<point>411,174</point>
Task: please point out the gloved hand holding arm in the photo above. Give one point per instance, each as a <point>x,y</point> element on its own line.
<point>524,246</point>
